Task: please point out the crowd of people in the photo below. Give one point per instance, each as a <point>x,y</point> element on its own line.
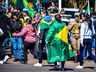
<point>42,30</point>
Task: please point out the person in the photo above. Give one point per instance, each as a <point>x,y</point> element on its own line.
<point>94,24</point>
<point>29,38</point>
<point>75,35</point>
<point>16,41</point>
<point>52,7</point>
<point>37,6</point>
<point>4,22</point>
<point>57,46</point>
<point>45,24</point>
<point>86,34</point>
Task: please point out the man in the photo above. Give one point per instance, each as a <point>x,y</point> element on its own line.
<point>57,40</point>
<point>74,28</point>
<point>45,24</point>
<point>94,36</point>
<point>4,22</point>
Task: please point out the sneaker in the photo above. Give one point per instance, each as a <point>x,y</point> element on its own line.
<point>6,58</point>
<point>38,64</point>
<point>1,62</point>
<point>95,68</point>
<point>79,67</point>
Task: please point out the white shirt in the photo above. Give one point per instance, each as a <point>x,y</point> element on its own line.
<point>85,32</point>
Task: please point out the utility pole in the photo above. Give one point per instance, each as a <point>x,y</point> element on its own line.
<point>95,5</point>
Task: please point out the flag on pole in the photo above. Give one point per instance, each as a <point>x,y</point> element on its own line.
<point>87,7</point>
<point>29,7</point>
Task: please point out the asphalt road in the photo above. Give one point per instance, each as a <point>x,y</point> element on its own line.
<point>69,66</point>
<point>45,68</point>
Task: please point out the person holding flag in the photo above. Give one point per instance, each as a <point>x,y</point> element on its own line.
<point>45,24</point>
<point>58,47</point>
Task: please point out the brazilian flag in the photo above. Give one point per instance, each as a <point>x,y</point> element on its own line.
<point>58,47</point>
<point>45,22</point>
<point>29,7</point>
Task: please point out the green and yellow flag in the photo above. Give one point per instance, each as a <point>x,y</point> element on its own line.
<point>45,22</point>
<point>14,2</point>
<point>29,7</point>
<point>58,47</point>
<point>63,35</point>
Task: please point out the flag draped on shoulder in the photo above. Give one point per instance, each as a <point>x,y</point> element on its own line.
<point>63,35</point>
<point>29,7</point>
<point>58,46</point>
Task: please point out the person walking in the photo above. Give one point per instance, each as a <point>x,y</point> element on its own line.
<point>86,34</point>
<point>45,24</point>
<point>57,40</point>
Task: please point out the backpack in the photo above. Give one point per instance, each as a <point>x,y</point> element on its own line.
<point>16,26</point>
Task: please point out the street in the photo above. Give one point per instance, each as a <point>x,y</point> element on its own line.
<point>69,66</point>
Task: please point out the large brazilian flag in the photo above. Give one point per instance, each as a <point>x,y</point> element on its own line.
<point>58,47</point>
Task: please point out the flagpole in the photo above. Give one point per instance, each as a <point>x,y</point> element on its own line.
<point>60,4</point>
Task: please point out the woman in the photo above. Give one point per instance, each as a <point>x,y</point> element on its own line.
<point>29,38</point>
<point>86,33</point>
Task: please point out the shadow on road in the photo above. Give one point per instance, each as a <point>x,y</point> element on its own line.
<point>89,67</point>
<point>65,69</point>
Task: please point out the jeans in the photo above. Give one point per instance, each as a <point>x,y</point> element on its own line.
<point>94,44</point>
<point>81,55</point>
<point>2,51</point>
<point>43,34</point>
<point>17,47</point>
<point>88,47</point>
<point>83,51</point>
